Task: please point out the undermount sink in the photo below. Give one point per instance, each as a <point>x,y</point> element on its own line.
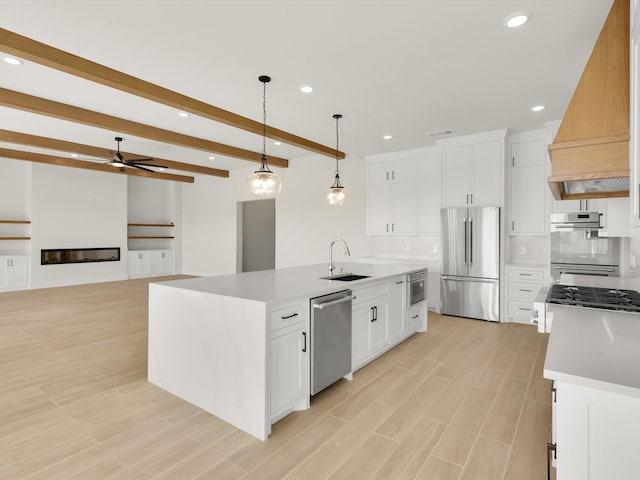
<point>345,277</point>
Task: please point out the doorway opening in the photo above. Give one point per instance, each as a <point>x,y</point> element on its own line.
<point>256,238</point>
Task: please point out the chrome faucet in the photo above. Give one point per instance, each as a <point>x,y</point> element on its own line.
<point>347,253</point>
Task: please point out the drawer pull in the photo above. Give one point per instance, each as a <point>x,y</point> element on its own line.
<point>304,334</point>
<point>525,290</point>
<point>524,274</point>
<point>524,309</point>
<point>551,447</point>
<point>287,317</point>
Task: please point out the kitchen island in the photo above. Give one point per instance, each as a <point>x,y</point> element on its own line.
<point>593,359</point>
<point>237,345</point>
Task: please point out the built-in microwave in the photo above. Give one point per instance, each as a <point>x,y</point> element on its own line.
<point>416,284</point>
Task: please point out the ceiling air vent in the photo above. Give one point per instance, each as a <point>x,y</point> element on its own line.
<point>441,133</point>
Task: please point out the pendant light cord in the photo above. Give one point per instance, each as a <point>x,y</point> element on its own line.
<point>264,121</point>
<point>337,145</point>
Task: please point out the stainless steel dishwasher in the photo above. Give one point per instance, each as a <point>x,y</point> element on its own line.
<point>330,339</point>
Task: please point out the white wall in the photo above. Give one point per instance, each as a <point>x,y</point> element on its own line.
<point>15,187</point>
<point>73,208</point>
<point>305,224</point>
<point>151,200</point>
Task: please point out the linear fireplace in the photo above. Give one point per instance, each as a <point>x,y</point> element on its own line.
<point>59,256</point>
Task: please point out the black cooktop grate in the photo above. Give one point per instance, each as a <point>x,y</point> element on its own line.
<point>607,298</point>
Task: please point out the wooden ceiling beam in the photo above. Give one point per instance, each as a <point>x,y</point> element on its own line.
<point>49,56</point>
<point>100,167</point>
<point>63,111</point>
<point>72,147</point>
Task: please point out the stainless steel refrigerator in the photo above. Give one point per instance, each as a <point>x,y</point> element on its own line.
<point>470,284</point>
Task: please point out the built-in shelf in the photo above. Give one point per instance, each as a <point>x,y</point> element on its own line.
<point>15,238</point>
<point>150,225</point>
<point>22,222</point>
<point>149,236</point>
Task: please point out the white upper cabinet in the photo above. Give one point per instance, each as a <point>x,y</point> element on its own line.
<point>403,192</point>
<point>527,184</point>
<point>472,170</point>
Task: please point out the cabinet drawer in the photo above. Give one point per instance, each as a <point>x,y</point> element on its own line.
<point>525,291</point>
<point>516,308</point>
<point>367,294</point>
<point>283,317</point>
<point>526,275</point>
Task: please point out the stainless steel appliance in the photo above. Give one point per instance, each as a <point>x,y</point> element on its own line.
<point>416,284</point>
<point>330,339</point>
<point>470,285</point>
<point>578,248</point>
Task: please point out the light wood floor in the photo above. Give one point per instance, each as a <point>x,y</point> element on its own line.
<point>466,400</point>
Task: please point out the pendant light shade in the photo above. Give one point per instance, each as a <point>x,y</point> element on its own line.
<point>264,182</point>
<point>337,195</point>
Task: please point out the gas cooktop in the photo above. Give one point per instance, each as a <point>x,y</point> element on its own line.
<point>606,298</point>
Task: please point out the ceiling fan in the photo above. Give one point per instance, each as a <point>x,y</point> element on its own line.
<point>119,161</point>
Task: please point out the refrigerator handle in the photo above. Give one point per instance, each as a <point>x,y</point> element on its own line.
<point>464,220</point>
<point>471,241</point>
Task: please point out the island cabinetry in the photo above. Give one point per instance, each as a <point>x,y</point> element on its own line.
<point>598,433</point>
<point>149,263</point>
<point>415,318</point>
<point>370,323</point>
<point>472,174</point>
<point>14,272</point>
<point>289,359</point>
<point>397,299</point>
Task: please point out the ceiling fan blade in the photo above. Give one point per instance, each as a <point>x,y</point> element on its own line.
<point>139,160</point>
<point>149,165</point>
<point>141,168</point>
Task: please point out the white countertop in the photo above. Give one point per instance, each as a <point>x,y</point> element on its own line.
<point>287,284</point>
<point>595,348</point>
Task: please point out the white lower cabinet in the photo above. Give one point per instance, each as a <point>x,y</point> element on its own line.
<point>395,313</point>
<point>522,286</point>
<point>289,374</point>
<point>597,434</point>
<point>14,272</point>
<point>433,291</point>
<point>415,318</point>
<point>370,323</point>
<point>149,263</point>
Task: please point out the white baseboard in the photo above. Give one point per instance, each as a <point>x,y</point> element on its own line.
<point>76,281</point>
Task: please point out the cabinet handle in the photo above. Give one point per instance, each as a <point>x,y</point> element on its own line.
<point>524,309</point>
<point>415,316</point>
<point>393,227</point>
<point>373,317</point>
<point>551,447</point>
<point>524,274</point>
<point>400,282</point>
<point>513,161</point>
<point>467,199</point>
<point>304,335</point>
<point>387,176</point>
<point>554,391</point>
<point>375,310</point>
<point>471,196</point>
<point>513,225</point>
<point>393,174</point>
<point>387,227</point>
<point>287,317</point>
<point>525,290</point>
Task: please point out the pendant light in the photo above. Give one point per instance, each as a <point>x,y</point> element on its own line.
<point>337,195</point>
<point>264,182</point>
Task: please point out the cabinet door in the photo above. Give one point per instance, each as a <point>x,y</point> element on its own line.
<point>486,174</point>
<point>396,312</point>
<point>528,154</point>
<point>528,190</point>
<point>378,172</point>
<point>166,262</point>
<point>415,317</point>
<point>402,199</point>
<point>428,215</point>
<point>566,206</point>
<point>4,272</point>
<point>404,170</point>
<point>133,267</point>
<point>19,272</point>
<point>154,260</point>
<point>288,373</point>
<point>361,318</point>
<point>456,163</point>
<point>378,209</point>
<point>380,325</point>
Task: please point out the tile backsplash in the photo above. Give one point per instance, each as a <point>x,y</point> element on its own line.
<point>528,249</point>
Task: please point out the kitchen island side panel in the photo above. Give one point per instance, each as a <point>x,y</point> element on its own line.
<point>210,350</point>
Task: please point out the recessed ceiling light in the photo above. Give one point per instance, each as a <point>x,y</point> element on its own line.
<point>306,88</point>
<point>12,61</point>
<point>517,19</point>
<point>277,143</point>
<point>388,137</point>
<point>211,157</point>
<point>183,114</point>
<point>537,108</point>
<point>161,169</point>
<point>75,155</point>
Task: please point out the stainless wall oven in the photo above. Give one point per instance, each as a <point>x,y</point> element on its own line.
<point>416,285</point>
<point>578,248</point>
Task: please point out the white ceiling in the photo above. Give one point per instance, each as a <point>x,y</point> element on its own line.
<point>400,67</point>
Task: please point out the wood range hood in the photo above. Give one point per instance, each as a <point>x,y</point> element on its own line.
<point>590,153</point>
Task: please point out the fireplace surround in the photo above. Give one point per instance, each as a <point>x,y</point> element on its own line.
<point>57,256</point>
